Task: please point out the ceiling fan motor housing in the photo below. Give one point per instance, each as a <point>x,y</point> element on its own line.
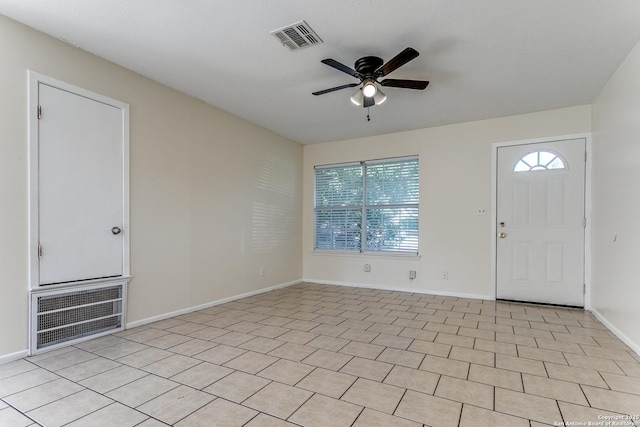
<point>368,64</point>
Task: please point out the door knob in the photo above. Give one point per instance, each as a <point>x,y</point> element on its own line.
<point>116,230</point>
<point>502,235</point>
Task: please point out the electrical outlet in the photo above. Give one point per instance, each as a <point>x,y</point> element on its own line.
<point>367,268</point>
<point>261,272</point>
<point>412,274</point>
<point>481,211</point>
<point>444,275</point>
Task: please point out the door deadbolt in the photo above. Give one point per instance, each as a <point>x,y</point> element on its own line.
<point>116,230</point>
<point>502,224</point>
<point>502,235</point>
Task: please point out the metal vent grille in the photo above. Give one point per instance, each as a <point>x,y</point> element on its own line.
<point>62,316</point>
<point>297,36</point>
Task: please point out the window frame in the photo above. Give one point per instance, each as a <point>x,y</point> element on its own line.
<point>362,244</point>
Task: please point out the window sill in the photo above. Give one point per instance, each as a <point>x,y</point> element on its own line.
<point>384,255</point>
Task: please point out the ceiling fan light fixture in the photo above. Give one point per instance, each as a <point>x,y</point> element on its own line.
<point>357,98</point>
<point>369,89</point>
<point>379,97</point>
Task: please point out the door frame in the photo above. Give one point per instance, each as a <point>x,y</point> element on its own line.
<point>587,206</point>
<point>34,79</point>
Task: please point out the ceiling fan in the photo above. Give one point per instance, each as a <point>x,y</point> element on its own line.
<point>368,70</point>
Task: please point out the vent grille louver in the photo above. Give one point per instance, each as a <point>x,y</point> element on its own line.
<point>66,315</point>
<point>297,36</point>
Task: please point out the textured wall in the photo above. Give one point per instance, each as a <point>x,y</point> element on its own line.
<point>455,180</point>
<point>213,197</point>
<point>616,200</point>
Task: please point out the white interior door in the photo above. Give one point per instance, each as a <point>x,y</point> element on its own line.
<point>80,187</point>
<point>541,220</point>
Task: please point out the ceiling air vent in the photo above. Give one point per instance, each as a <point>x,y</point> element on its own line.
<point>296,36</point>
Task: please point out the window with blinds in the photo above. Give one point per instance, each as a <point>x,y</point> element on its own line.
<point>367,206</point>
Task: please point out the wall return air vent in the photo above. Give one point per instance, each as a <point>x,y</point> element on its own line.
<point>297,36</point>
<point>68,315</point>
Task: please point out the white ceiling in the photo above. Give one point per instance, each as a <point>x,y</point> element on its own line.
<point>484,58</point>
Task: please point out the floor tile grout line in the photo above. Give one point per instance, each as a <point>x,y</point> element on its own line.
<point>176,422</point>
<point>24,372</point>
<point>80,391</point>
<point>25,413</point>
<point>358,416</point>
<point>3,398</point>
<point>9,406</point>
<point>460,414</point>
<point>400,400</point>
<point>564,422</point>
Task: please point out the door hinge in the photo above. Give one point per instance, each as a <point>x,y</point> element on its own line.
<point>39,111</point>
<point>585,156</point>
<point>584,288</point>
<point>584,222</point>
<point>39,251</point>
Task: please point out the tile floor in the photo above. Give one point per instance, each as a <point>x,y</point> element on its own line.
<point>314,355</point>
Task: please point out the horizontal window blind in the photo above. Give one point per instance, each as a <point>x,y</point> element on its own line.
<point>369,206</point>
<point>338,214</point>
<point>339,186</point>
<point>338,229</point>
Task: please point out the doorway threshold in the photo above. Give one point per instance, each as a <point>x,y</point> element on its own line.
<point>540,304</point>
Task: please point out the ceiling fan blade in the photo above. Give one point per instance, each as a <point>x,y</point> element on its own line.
<point>397,61</point>
<point>322,92</point>
<point>368,102</point>
<point>405,84</point>
<point>341,67</point>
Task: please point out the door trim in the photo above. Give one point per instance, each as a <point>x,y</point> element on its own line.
<point>587,206</point>
<point>34,80</point>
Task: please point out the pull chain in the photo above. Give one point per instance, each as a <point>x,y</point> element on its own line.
<point>368,117</point>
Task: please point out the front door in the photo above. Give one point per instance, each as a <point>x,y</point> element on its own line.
<point>80,187</point>
<point>541,222</point>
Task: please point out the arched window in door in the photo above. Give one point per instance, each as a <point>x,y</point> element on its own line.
<point>540,160</point>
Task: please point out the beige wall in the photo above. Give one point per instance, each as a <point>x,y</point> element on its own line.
<point>213,197</point>
<point>616,200</point>
<point>455,180</point>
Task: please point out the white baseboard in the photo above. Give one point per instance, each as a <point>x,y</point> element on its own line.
<point>6,358</point>
<point>634,346</point>
<point>209,304</point>
<point>401,289</point>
